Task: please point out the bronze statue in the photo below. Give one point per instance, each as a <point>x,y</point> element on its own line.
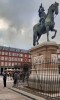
<point>46,23</point>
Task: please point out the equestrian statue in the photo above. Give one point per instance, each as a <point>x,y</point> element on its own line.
<point>46,23</point>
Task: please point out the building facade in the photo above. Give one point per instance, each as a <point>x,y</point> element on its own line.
<point>11,57</point>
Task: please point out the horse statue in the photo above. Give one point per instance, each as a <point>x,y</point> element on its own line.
<point>47,24</point>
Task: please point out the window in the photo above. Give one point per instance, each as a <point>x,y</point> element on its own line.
<point>2,63</point>
<point>6,64</point>
<point>29,56</point>
<point>25,55</point>
<point>13,59</point>
<point>15,63</point>
<point>18,59</point>
<point>12,64</point>
<point>2,52</point>
<point>2,58</point>
<point>21,59</point>
<point>59,56</point>
<point>58,50</point>
<point>21,55</point>
<point>9,53</point>
<point>19,64</point>
<point>13,54</point>
<point>17,54</point>
<point>29,60</point>
<point>6,58</point>
<point>9,64</point>
<point>25,60</point>
<point>6,53</point>
<point>9,58</point>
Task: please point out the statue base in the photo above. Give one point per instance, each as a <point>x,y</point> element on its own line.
<point>44,74</point>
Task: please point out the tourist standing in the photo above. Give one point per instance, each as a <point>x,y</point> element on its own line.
<point>4,78</point>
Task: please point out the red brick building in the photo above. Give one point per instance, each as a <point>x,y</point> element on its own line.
<point>13,57</point>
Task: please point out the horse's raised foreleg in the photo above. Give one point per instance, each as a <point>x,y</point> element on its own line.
<point>47,30</point>
<point>54,34</point>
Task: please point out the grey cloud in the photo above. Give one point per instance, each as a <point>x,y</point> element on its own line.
<point>19,14</point>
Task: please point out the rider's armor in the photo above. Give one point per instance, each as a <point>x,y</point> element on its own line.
<point>41,15</point>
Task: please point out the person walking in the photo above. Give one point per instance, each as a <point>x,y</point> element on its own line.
<point>4,78</point>
<point>15,78</point>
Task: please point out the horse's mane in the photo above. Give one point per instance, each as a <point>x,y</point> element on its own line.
<point>50,7</point>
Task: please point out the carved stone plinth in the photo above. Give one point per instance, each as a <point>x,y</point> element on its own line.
<point>44,75</point>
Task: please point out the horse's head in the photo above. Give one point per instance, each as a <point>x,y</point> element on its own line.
<point>56,7</point>
<point>53,8</point>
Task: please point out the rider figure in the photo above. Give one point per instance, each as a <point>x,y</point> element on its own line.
<point>42,14</point>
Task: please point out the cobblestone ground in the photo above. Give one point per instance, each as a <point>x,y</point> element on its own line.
<point>6,94</point>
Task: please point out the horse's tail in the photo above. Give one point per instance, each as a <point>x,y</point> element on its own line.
<point>35,27</point>
<point>34,31</point>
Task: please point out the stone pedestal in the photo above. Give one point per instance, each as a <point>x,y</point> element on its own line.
<point>44,67</point>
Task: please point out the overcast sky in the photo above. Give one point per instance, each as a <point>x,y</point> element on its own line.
<point>17,18</point>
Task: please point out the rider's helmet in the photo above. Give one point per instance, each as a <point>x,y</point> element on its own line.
<point>41,8</point>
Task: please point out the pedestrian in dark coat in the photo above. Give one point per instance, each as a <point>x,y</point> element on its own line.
<point>4,79</point>
<point>15,78</point>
